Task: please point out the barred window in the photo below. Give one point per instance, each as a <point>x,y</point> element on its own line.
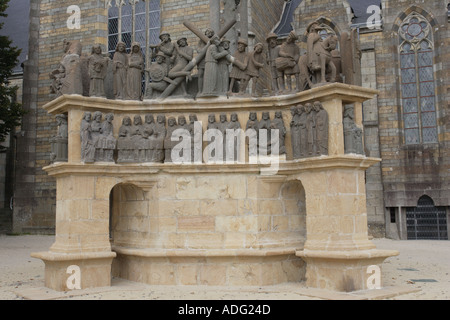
<point>418,80</point>
<point>133,21</point>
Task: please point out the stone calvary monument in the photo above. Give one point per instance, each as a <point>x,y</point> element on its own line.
<point>127,208</point>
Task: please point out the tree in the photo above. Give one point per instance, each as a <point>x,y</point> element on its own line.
<point>11,112</point>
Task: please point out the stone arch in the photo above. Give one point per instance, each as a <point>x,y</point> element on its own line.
<point>129,216</point>
<point>417,9</point>
<point>327,25</point>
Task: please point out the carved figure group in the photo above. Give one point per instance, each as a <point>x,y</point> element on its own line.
<point>219,72</point>
<point>97,138</point>
<point>309,130</point>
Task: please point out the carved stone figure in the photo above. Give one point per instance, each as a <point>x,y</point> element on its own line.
<point>159,77</point>
<point>183,55</point>
<point>124,144</point>
<point>98,66</point>
<point>322,129</point>
<point>272,54</point>
<point>148,134</point>
<point>233,146</point>
<point>197,139</point>
<point>223,69</point>
<point>212,125</point>
<point>138,140</point>
<point>319,56</point>
<point>168,143</point>
<point>68,78</point>
<point>59,142</point>
<point>106,143</point>
<point>135,71</point>
<point>167,48</point>
<point>87,143</point>
<point>303,130</point>
<point>353,135</point>
<point>255,64</point>
<point>311,130</point>
<point>96,131</point>
<point>159,137</point>
<point>295,132</point>
<point>287,63</point>
<point>209,33</point>
<point>278,124</point>
<point>252,129</point>
<point>211,78</point>
<point>238,74</point>
<point>265,125</point>
<point>120,71</point>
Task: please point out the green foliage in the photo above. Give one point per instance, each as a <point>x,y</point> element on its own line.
<point>11,112</point>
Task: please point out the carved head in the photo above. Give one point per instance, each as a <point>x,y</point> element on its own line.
<point>193,118</point>
<point>234,117</point>
<point>172,122</point>
<point>87,116</point>
<point>253,116</point>
<point>98,116</point>
<point>209,33</point>
<point>121,47</point>
<point>109,117</point>
<point>278,115</point>
<point>223,118</point>
<point>160,58</point>
<point>136,47</point>
<point>137,120</point>
<point>161,119</point>
<point>182,42</point>
<point>182,120</point>
<point>126,121</point>
<point>266,116</point>
<point>149,119</point>
<point>165,37</point>
<point>225,43</point>
<point>317,106</point>
<point>212,118</point>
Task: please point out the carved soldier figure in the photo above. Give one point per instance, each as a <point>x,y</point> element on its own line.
<point>124,144</point>
<point>201,66</point>
<point>107,143</point>
<point>287,63</point>
<point>238,73</point>
<point>120,71</point>
<point>255,64</point>
<point>167,48</point>
<point>87,144</point>
<point>272,54</point>
<point>135,70</point>
<point>159,77</point>
<point>98,65</point>
<point>278,124</point>
<point>319,56</point>
<point>322,129</point>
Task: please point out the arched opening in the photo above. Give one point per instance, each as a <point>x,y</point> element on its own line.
<point>129,216</point>
<point>294,214</point>
<point>426,221</point>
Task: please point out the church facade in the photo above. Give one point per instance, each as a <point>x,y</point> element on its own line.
<point>405,53</point>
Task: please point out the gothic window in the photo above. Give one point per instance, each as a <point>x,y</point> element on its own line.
<point>418,80</point>
<point>133,21</point>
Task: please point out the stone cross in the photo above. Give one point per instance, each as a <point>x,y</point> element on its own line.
<point>200,56</point>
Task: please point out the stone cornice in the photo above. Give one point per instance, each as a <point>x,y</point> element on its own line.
<point>347,93</point>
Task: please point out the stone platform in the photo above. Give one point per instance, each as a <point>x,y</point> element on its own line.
<point>214,224</point>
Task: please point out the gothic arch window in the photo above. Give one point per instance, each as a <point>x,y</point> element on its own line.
<point>426,221</point>
<point>418,88</point>
<point>133,21</point>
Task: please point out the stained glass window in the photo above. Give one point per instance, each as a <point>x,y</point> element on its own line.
<point>418,80</point>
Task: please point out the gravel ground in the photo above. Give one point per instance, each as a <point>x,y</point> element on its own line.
<point>423,265</point>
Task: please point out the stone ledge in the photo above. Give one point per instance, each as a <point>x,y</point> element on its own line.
<point>288,167</point>
<point>55,257</point>
<point>149,253</point>
<point>347,255</point>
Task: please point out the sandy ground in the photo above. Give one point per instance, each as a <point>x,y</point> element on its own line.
<point>422,265</point>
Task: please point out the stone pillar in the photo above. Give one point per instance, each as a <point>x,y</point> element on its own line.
<point>244,19</point>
